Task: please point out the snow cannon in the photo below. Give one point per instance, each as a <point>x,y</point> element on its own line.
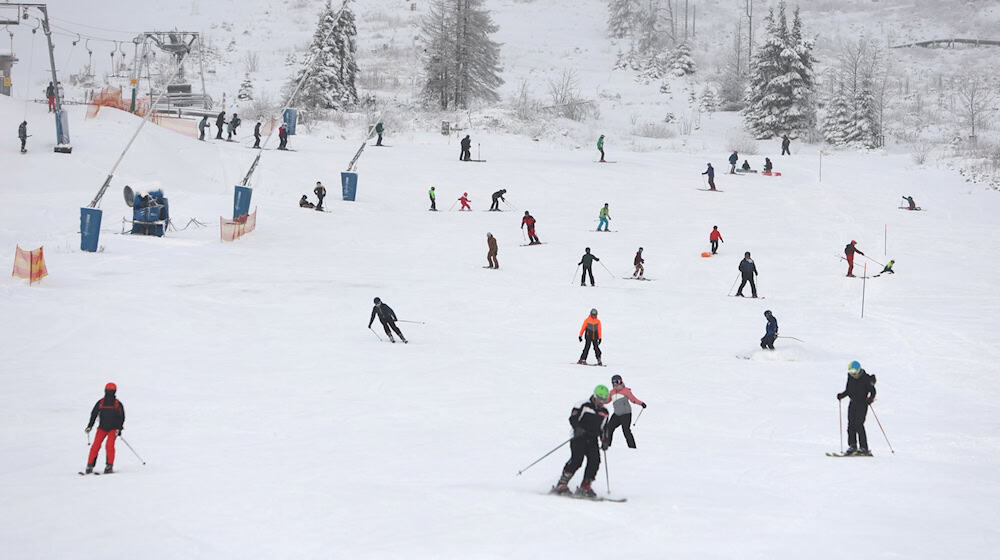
<point>150,211</point>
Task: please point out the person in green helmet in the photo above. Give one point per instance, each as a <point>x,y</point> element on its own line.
<point>600,146</point>
<point>861,389</point>
<point>887,269</point>
<point>587,420</point>
<point>433,196</point>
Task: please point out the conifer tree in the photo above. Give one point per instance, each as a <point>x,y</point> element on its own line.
<point>622,17</point>
<point>682,64</point>
<point>837,126</point>
<point>461,62</point>
<point>246,90</point>
<point>330,79</point>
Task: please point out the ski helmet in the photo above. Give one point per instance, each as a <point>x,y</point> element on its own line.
<point>526,213</point>
<point>616,380</point>
<point>593,312</point>
<point>747,254</point>
<point>767,313</point>
<point>110,387</point>
<point>377,301</point>
<point>853,242</point>
<point>854,368</point>
<point>601,392</point>
<point>465,194</point>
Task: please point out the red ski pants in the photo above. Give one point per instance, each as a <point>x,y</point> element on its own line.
<point>850,265</point>
<point>52,104</point>
<point>109,449</point>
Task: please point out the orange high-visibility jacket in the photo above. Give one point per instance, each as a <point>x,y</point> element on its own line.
<point>591,326</point>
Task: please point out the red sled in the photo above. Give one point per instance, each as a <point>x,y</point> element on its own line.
<point>770,174</point>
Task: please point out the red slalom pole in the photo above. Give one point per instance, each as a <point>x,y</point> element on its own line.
<point>881,428</point>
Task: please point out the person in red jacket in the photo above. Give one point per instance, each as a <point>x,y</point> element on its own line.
<point>112,414</point>
<point>464,199</point>
<point>849,250</point>
<point>715,237</point>
<point>529,220</point>
<point>622,415</point>
<point>637,261</point>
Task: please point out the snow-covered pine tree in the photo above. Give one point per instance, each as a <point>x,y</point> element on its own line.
<point>246,90</point>
<point>709,101</point>
<point>622,17</point>
<point>461,62</point>
<point>655,68</point>
<point>865,117</point>
<point>682,64</point>
<point>838,126</point>
<point>330,81</point>
<point>803,117</point>
<point>345,42</point>
<point>665,88</point>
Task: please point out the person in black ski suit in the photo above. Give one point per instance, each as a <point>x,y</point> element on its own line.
<point>861,389</point>
<point>379,129</point>
<point>497,197</point>
<point>785,142</point>
<point>388,318</point>
<point>201,127</point>
<point>770,332</point>
<point>587,260</point>
<point>22,134</point>
<point>220,121</point>
<point>304,202</point>
<point>466,149</point>
<point>587,419</point>
<point>256,135</point>
<point>734,158</point>
<point>112,414</point>
<point>747,270</point>
<point>320,192</point>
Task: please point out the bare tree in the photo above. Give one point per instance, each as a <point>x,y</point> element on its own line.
<point>975,99</point>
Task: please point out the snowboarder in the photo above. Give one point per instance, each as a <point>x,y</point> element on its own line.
<point>714,237</point>
<point>622,415</point>
<point>112,423</point>
<point>497,197</point>
<point>320,192</point>
<point>770,331</point>
<point>22,134</point>
<point>747,270</point>
<point>733,160</point>
<point>304,202</point>
<point>491,253</point>
<point>849,250</point>
<point>600,147</point>
<point>378,130</point>
<point>637,261</point>
<point>587,420</point>
<point>605,217</point>
<point>768,166</point>
<point>231,130</point>
<point>746,166</point>
<point>785,142</point>
<point>201,127</point>
<point>466,149</point>
<point>388,319</point>
<point>587,260</point>
<point>912,204</point>
<point>256,135</point>
<point>282,137</point>
<point>50,94</point>
<point>529,220</point>
<point>591,329</point>
<point>464,199</point>
<point>711,177</point>
<point>888,268</point>
<point>861,389</point>
<point>433,196</point>
<point>219,121</point>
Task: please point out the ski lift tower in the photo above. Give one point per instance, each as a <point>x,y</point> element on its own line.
<point>178,44</point>
<point>13,13</point>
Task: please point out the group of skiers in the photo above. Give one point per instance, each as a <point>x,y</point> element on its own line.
<point>231,127</point>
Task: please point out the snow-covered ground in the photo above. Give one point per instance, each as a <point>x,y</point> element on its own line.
<point>274,424</point>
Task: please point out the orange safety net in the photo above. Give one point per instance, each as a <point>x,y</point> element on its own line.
<point>231,230</point>
<point>30,265</point>
<point>112,97</point>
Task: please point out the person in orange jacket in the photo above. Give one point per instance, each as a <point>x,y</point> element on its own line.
<point>592,330</point>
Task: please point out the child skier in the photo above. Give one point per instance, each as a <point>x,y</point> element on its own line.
<point>304,202</point>
<point>770,331</point>
<point>604,217</point>
<point>464,199</point>
<point>622,415</point>
<point>734,158</point>
<point>600,147</point>
<point>592,330</point>
<point>433,196</point>
<point>529,220</point>
<point>888,268</point>
<point>587,419</point>
<point>112,414</point>
<point>861,389</point>
<point>714,237</point>
<point>637,261</point>
<point>320,192</point>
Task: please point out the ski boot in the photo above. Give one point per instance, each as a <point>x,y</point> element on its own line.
<point>562,487</point>
<point>108,469</point>
<point>865,452</point>
<point>599,362</point>
<point>90,468</point>
<point>582,362</point>
<point>404,340</point>
<point>851,451</point>
<point>392,340</point>
<point>585,491</point>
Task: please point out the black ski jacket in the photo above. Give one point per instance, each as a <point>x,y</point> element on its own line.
<point>385,314</point>
<point>499,194</point>
<point>466,143</point>
<point>748,268</point>
<point>220,120</point>
<point>112,415</point>
<point>587,260</point>
<point>22,131</point>
<point>588,417</point>
<point>861,388</point>
<point>256,131</point>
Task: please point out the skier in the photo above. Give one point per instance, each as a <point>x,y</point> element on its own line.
<point>22,134</point>
<point>464,199</point>
<point>491,253</point>
<point>861,389</point>
<point>388,319</point>
<point>748,270</point>
<point>201,127</point>
<point>497,197</point>
<point>529,220</point>
<point>733,160</point>
<point>768,166</point>
<point>714,237</point>
<point>587,260</point>
<point>770,332</point>
<point>256,135</point>
<point>909,200</point>
<point>587,420</point>
<point>433,195</point>
<point>304,202</point>
<point>234,123</point>
<point>605,217</point>
<point>888,268</point>
<point>466,149</point>
<point>112,414</point>
<point>849,250</point>
<point>600,147</point>
<point>282,137</point>
<point>622,415</point>
<point>50,94</point>
<point>711,177</point>
<point>320,192</point>
<point>219,121</point>
<point>637,261</point>
<point>785,142</point>
<point>591,329</point>
<point>378,130</point>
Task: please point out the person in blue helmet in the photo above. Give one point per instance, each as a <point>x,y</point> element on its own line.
<point>861,390</point>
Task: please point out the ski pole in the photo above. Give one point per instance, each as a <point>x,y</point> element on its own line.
<point>606,268</point>
<point>840,404</point>
<point>376,334</point>
<point>88,437</point>
<point>524,235</point>
<point>881,428</point>
<point>452,205</point>
<point>873,260</point>
<point>792,337</point>
<point>132,450</point>
<point>508,205</point>
<point>415,322</point>
<point>637,417</point>
<point>574,273</point>
<point>607,477</point>
<point>544,456</point>
<point>730,292</point>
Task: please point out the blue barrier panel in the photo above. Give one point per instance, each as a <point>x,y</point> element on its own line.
<point>290,117</point>
<point>241,201</point>
<point>90,229</point>
<point>349,185</point>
